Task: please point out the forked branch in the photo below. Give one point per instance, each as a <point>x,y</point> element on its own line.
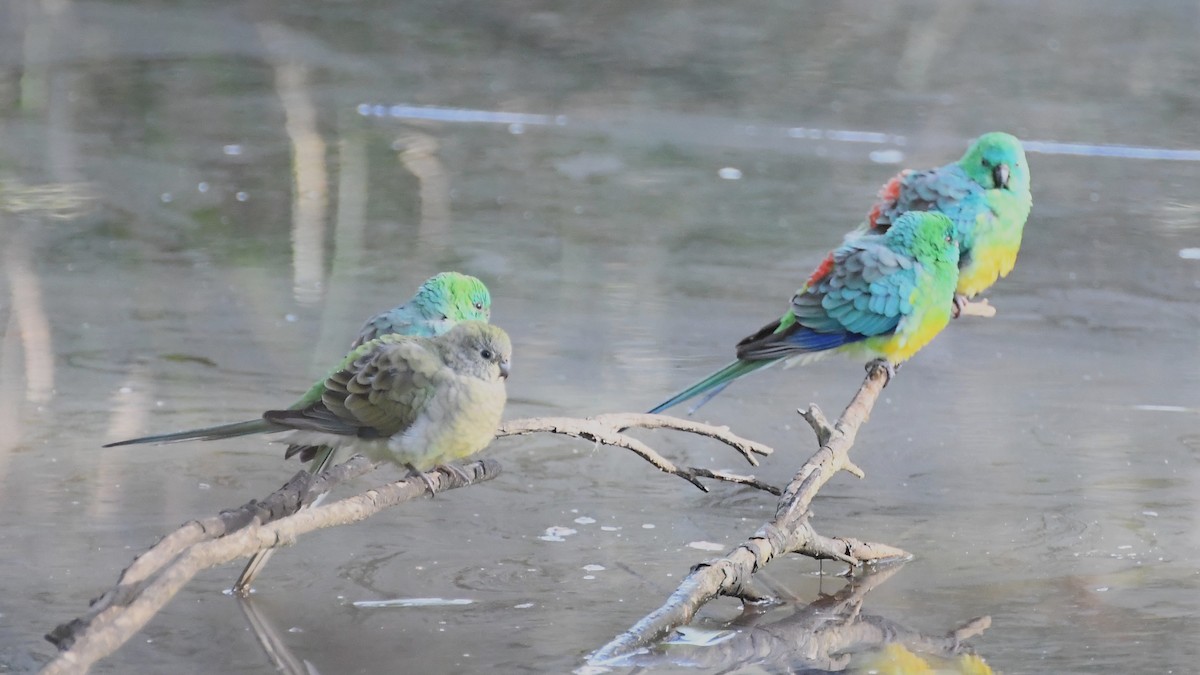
<point>788,532</point>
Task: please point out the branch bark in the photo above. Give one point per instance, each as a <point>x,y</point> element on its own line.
<point>609,429</point>
<point>277,520</point>
<point>154,578</point>
<point>788,532</point>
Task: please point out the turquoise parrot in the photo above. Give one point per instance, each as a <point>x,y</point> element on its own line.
<point>442,301</point>
<point>884,294</point>
<point>986,194</point>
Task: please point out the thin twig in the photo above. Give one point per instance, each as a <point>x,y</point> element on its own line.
<point>609,429</point>
<point>788,532</point>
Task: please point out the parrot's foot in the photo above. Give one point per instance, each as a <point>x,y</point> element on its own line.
<point>457,471</point>
<point>960,303</point>
<point>414,472</point>
<point>888,367</point>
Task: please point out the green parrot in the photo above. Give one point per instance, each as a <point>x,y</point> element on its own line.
<point>884,295</point>
<point>415,401</point>
<point>441,302</point>
<point>418,402</point>
<point>986,193</point>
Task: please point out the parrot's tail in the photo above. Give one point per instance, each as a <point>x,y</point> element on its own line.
<point>713,384</point>
<point>206,434</point>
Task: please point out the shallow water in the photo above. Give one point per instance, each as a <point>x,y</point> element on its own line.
<point>199,202</point>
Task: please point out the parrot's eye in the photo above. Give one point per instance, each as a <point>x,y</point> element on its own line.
<point>486,354</point>
<point>949,239</point>
<point>479,306</point>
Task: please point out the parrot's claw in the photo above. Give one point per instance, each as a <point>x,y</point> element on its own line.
<point>414,472</point>
<point>457,471</point>
<point>889,367</point>
<point>960,302</point>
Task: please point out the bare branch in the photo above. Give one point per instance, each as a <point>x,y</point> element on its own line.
<point>788,532</point>
<point>129,607</point>
<point>609,429</point>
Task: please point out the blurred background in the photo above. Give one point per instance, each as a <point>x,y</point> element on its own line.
<point>201,201</point>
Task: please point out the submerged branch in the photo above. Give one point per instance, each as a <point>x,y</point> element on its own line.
<point>154,578</point>
<point>788,532</point>
<point>610,429</point>
<point>824,635</point>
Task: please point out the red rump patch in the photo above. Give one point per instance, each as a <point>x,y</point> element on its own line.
<point>888,194</point>
<point>822,271</point>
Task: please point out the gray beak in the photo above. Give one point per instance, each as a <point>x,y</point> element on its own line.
<point>1000,175</point>
<point>504,369</point>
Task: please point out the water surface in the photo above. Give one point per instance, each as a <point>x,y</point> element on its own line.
<point>199,202</point>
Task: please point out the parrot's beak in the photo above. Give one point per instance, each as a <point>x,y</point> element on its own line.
<point>1000,175</point>
<point>504,369</point>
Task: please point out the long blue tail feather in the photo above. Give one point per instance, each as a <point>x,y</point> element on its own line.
<point>718,381</point>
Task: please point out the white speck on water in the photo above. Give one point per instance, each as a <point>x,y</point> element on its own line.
<point>126,390</point>
<point>706,546</point>
<point>593,568</point>
<point>886,156</point>
<point>557,533</point>
<point>202,186</point>
<point>584,520</point>
<point>730,173</point>
<point>516,129</point>
<point>165,197</point>
<point>412,602</point>
<point>241,196</point>
<point>205,486</point>
<point>1189,253</point>
<point>1152,514</point>
<point>1102,589</point>
<point>233,149</point>
<point>589,577</point>
<point>159,404</point>
<point>609,528</point>
<point>523,605</point>
<point>647,526</point>
<point>1150,407</point>
<point>295,629</point>
<point>290,318</point>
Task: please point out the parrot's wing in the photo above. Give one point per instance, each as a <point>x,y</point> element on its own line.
<point>866,293</point>
<point>941,189</point>
<point>396,320</point>
<point>376,395</point>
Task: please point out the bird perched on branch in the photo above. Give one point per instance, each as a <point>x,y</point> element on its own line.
<point>415,401</point>
<point>986,194</point>
<point>440,303</point>
<point>881,294</point>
